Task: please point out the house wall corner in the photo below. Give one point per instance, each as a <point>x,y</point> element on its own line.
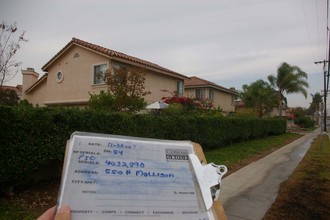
<point>29,78</point>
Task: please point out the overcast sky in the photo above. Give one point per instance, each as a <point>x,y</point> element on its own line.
<point>229,42</point>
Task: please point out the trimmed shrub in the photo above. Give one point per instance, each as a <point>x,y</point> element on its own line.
<point>33,137</point>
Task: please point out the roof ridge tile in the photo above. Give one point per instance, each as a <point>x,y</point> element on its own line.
<point>196,81</point>
<point>111,53</point>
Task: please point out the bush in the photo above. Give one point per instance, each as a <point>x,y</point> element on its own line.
<point>34,137</point>
<point>304,122</point>
<point>8,97</point>
<point>103,101</point>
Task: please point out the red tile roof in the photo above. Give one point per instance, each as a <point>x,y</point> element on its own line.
<point>17,89</point>
<point>110,53</point>
<point>198,82</point>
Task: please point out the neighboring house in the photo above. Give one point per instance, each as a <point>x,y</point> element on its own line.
<point>74,72</point>
<point>276,112</point>
<point>17,89</point>
<point>202,89</point>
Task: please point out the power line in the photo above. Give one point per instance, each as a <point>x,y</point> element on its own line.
<point>328,13</point>
<point>307,29</point>
<point>318,28</point>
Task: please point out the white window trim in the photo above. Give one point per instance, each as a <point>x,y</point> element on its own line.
<point>93,66</point>
<point>180,84</point>
<point>59,80</point>
<point>211,94</point>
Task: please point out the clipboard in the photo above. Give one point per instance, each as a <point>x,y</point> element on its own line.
<point>121,177</point>
<point>217,207</point>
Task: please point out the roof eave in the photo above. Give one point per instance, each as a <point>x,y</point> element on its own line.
<point>54,58</point>
<point>211,86</point>
<point>115,56</point>
<point>36,83</point>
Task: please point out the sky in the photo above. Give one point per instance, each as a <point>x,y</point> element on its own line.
<point>230,43</point>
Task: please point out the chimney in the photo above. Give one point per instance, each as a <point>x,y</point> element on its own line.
<point>29,78</point>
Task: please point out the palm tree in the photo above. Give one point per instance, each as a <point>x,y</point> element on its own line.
<point>289,79</point>
<point>260,96</point>
<point>314,106</point>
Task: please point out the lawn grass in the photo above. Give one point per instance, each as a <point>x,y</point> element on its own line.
<point>12,209</point>
<point>237,153</point>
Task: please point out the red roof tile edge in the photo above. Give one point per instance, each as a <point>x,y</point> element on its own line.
<point>196,81</point>
<point>17,89</point>
<point>110,53</point>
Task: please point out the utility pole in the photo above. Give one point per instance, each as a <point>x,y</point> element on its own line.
<point>326,78</point>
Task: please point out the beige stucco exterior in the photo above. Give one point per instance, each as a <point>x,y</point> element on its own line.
<point>156,83</point>
<point>221,99</point>
<point>76,63</point>
<point>36,97</point>
<point>30,77</point>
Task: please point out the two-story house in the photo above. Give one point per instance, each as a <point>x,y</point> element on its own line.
<point>220,96</point>
<point>74,72</point>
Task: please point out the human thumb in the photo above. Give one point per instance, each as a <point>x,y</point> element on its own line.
<point>63,213</point>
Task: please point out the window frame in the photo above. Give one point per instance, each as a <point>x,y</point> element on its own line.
<point>61,74</point>
<point>200,93</point>
<point>211,94</point>
<point>179,88</point>
<point>102,82</point>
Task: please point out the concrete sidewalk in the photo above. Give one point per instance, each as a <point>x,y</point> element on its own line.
<point>249,192</point>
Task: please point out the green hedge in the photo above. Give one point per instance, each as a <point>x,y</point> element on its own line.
<point>33,137</point>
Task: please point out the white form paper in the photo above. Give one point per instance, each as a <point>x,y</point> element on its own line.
<point>117,177</point>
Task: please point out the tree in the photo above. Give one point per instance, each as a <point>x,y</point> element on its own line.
<point>8,97</point>
<point>260,96</point>
<point>301,119</point>
<point>314,106</point>
<point>126,90</point>
<point>8,48</point>
<point>289,79</point>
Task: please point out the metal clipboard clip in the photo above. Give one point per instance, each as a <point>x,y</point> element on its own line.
<point>209,179</point>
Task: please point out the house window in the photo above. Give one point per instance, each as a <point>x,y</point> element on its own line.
<point>211,94</point>
<point>179,87</point>
<point>200,94</point>
<point>59,76</point>
<point>99,73</point>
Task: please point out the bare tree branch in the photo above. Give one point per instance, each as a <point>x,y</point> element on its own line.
<point>9,46</point>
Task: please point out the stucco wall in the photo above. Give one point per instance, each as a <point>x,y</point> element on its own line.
<point>190,93</point>
<point>224,100</point>
<point>156,82</point>
<point>76,65</point>
<point>38,95</point>
<point>77,68</point>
